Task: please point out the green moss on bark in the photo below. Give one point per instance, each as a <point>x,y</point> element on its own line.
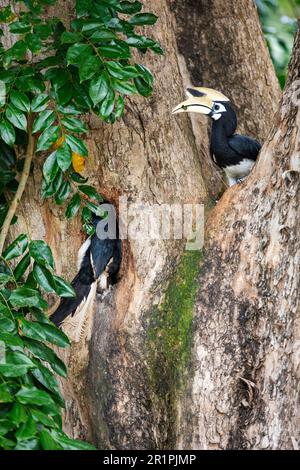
<point>170,343</point>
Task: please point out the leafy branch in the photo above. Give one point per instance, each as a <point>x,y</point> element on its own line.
<point>51,77</point>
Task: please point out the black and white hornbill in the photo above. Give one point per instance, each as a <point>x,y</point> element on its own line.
<point>235,154</point>
<point>98,266</point>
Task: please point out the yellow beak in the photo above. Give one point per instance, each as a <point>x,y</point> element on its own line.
<point>200,100</point>
<point>202,105</point>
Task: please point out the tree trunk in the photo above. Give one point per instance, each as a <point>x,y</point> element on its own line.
<point>142,380</point>
<point>244,382</point>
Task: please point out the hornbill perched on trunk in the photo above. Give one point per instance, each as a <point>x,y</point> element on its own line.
<point>99,261</point>
<point>235,154</point>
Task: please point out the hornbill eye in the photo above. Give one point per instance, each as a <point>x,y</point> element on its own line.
<point>219,108</point>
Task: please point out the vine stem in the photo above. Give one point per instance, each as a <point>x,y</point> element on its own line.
<point>21,187</point>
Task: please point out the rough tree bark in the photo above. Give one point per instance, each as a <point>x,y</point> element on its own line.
<point>244,391</point>
<point>130,386</point>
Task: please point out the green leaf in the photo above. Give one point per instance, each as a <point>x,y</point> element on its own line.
<point>126,88</point>
<point>5,394</point>
<point>47,379</point>
<point>58,180</point>
<point>34,396</point>
<point>107,105</point>
<point>119,108</point>
<point>129,7</point>
<point>63,288</point>
<point>7,132</point>
<point>43,120</point>
<point>41,253</point>
<point>30,282</point>
<point>19,27</point>
<point>63,193</point>
<point>77,51</point>
<point>48,138</point>
<point>2,93</point>
<point>27,444</point>
<point>143,87</point>
<point>44,278</point>
<point>39,103</point>
<point>31,329</point>
<point>70,444</point>
<point>26,297</point>
<point>31,85</point>
<point>77,178</point>
<point>121,72</point>
<point>20,101</point>
<point>27,430</point>
<point>33,42</point>
<point>94,208</point>
<point>54,335</point>
<point>58,77</point>
<point>74,124</point>
<point>83,7</point>
<point>73,206</point>
<point>141,19</point>
<point>13,370</point>
<point>17,51</point>
<point>16,117</point>
<point>11,340</point>
<point>64,94</point>
<point>68,37</point>
<point>17,414</point>
<point>19,358</point>
<point>40,417</point>
<point>99,88</point>
<point>5,426</point>
<point>119,50</point>
<point>43,352</point>
<point>17,248</point>
<point>22,267</point>
<point>8,325</point>
<point>77,145</point>
<point>50,167</point>
<point>88,66</point>
<point>4,279</point>
<point>89,191</point>
<point>47,441</point>
<point>64,156</point>
<point>103,34</point>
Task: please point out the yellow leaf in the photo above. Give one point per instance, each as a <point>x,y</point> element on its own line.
<point>59,142</point>
<point>78,162</point>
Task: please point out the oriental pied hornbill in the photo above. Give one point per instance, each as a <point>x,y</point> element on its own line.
<point>98,265</point>
<point>235,154</point>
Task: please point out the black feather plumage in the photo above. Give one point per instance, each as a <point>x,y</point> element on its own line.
<point>100,256</point>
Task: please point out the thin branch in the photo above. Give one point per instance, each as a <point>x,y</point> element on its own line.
<point>22,184</point>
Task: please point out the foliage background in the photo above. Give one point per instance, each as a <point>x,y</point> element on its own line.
<point>279,22</point>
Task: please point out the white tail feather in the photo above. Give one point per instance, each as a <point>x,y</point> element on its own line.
<point>76,326</point>
<point>82,251</point>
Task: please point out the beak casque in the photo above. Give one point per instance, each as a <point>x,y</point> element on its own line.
<point>210,93</point>
<point>200,100</point>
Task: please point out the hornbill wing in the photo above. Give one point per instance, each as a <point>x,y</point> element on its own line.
<point>101,251</point>
<point>82,285</point>
<point>68,306</point>
<point>244,146</point>
<point>73,313</point>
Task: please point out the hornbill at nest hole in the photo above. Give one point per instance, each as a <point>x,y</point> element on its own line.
<point>235,154</point>
<point>98,266</point>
